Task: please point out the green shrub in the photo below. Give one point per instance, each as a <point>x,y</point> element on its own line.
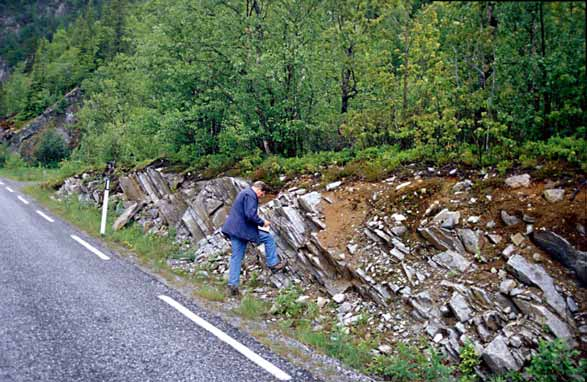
<point>4,154</point>
<point>50,149</point>
<point>469,360</point>
<point>286,304</point>
<point>251,308</point>
<point>410,364</point>
<point>555,361</point>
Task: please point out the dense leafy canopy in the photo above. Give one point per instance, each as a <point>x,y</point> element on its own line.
<point>190,78</point>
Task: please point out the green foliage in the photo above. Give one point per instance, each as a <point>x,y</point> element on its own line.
<point>286,304</point>
<point>50,149</point>
<point>410,364</point>
<point>252,308</point>
<point>469,360</point>
<point>337,344</point>
<point>210,293</point>
<point>4,154</point>
<point>250,90</point>
<point>555,361</point>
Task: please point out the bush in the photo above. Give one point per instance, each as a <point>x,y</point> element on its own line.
<point>555,361</point>
<point>4,154</point>
<point>50,149</point>
<point>410,364</point>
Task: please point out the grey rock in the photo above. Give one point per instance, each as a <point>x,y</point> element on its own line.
<point>131,189</point>
<point>441,239</point>
<point>506,286</point>
<point>311,202</point>
<point>528,219</point>
<point>399,230</point>
<point>508,219</point>
<point>492,320</point>
<point>126,216</point>
<point>470,240</point>
<point>543,316</point>
<point>535,275</point>
<point>462,186</point>
<point>452,260</point>
<point>483,332</point>
<point>171,208</point>
<point>508,251</point>
<point>333,186</point>
<point>458,304</point>
<point>517,239</point>
<point>563,252</point>
<point>498,357</point>
<point>494,238</point>
<point>572,305</point>
<point>345,307</point>
<point>518,181</point>
<point>554,195</point>
<point>339,298</point>
<point>447,219</point>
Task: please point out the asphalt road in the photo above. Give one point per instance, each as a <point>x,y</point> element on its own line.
<point>68,315</point>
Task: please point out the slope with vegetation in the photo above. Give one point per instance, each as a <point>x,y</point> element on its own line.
<point>226,84</point>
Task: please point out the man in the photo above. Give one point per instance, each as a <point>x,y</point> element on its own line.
<point>242,227</point>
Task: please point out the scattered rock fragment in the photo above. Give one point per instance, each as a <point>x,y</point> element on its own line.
<point>333,186</point>
<point>554,195</point>
<point>518,181</point>
<point>508,219</point>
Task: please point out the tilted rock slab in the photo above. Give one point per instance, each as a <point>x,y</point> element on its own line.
<point>535,275</point>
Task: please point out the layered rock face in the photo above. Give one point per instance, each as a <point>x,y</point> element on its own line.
<point>413,273</point>
<point>23,140</point>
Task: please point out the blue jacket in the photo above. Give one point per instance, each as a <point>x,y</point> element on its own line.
<point>243,219</point>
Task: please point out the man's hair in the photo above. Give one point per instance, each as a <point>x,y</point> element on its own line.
<point>261,185</point>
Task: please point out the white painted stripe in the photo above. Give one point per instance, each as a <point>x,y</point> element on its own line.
<point>9,189</point>
<point>22,199</point>
<point>90,248</point>
<point>1,183</point>
<point>45,217</point>
<point>251,355</point>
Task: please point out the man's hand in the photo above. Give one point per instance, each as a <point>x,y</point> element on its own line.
<point>267,224</point>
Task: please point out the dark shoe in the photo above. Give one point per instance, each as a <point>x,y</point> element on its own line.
<point>279,266</point>
<point>233,291</point>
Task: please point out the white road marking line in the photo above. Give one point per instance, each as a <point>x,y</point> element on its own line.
<point>90,248</point>
<point>254,357</point>
<point>1,183</point>
<point>45,217</point>
<point>22,199</point>
<point>9,189</point>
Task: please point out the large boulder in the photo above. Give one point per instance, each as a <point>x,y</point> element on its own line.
<point>498,357</point>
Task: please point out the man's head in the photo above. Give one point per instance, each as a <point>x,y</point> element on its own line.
<point>260,188</point>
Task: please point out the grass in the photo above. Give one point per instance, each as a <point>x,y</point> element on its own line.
<point>210,293</point>
<point>252,308</point>
<point>29,174</point>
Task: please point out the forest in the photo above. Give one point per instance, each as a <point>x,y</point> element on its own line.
<point>228,84</point>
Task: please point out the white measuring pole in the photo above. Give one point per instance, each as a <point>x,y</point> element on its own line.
<point>105,208</point>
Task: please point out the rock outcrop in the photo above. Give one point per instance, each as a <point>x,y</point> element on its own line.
<point>58,116</point>
<point>409,276</point>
